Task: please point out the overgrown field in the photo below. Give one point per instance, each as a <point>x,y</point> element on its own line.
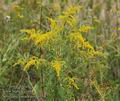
<point>59,50</point>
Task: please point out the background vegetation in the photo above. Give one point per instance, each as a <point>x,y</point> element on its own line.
<point>62,50</point>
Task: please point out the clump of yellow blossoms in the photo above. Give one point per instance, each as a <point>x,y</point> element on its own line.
<point>72,10</point>
<point>72,82</point>
<point>80,43</point>
<point>85,28</point>
<point>53,24</point>
<point>27,63</point>
<point>76,37</point>
<point>30,62</point>
<point>68,16</point>
<point>57,67</point>
<point>39,39</point>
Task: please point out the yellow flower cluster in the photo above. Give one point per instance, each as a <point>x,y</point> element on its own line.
<point>85,28</point>
<point>72,82</point>
<point>72,10</point>
<point>79,41</point>
<point>28,31</point>
<point>88,45</point>
<point>42,39</point>
<point>70,20</point>
<point>27,63</point>
<point>30,62</point>
<point>68,16</point>
<point>57,67</point>
<point>95,53</point>
<point>77,37</point>
<point>53,24</point>
<point>38,38</point>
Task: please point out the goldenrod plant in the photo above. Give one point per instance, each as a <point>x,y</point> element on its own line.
<point>63,50</point>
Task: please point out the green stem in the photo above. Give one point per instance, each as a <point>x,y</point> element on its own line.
<point>42,83</point>
<point>32,86</point>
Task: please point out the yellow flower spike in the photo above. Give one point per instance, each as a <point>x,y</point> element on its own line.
<point>77,37</point>
<point>79,41</point>
<point>85,28</point>
<point>72,10</point>
<point>88,46</point>
<point>43,39</point>
<point>40,39</point>
<point>71,21</point>
<point>63,19</point>
<point>68,16</point>
<point>28,31</point>
<point>57,67</point>
<point>27,63</point>
<point>97,53</point>
<point>93,53</point>
<point>33,36</point>
<point>30,62</point>
<point>72,82</point>
<point>53,23</point>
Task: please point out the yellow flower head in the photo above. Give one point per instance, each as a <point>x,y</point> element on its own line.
<point>40,39</point>
<point>30,62</point>
<point>28,31</point>
<point>27,63</point>
<point>94,53</point>
<point>72,10</point>
<point>68,16</point>
<point>77,38</point>
<point>85,28</point>
<point>79,41</point>
<point>72,82</point>
<point>53,23</point>
<point>87,45</point>
<point>57,67</point>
